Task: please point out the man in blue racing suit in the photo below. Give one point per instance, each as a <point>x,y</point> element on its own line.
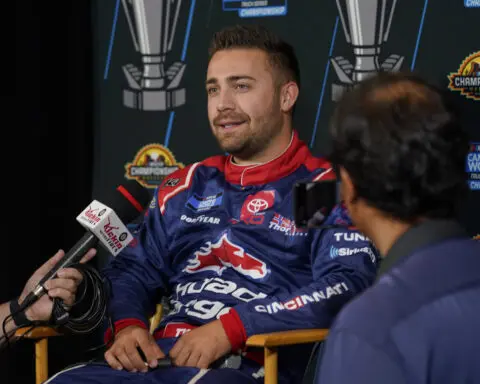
<point>220,242</point>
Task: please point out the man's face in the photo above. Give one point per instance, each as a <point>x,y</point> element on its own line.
<point>243,101</point>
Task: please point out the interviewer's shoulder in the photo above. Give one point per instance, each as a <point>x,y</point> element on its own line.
<point>372,314</point>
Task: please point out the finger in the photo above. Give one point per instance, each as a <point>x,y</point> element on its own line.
<point>193,359</point>
<point>50,263</point>
<point>135,359</point>
<point>72,274</point>
<point>122,356</point>
<point>152,352</point>
<point>113,361</point>
<point>177,347</point>
<point>182,357</point>
<point>65,295</point>
<point>66,284</point>
<point>88,256</point>
<point>204,362</point>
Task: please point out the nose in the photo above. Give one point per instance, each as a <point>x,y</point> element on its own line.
<point>226,101</point>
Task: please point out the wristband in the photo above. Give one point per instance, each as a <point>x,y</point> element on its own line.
<point>19,317</point>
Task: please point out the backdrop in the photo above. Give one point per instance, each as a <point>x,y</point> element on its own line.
<point>151,58</point>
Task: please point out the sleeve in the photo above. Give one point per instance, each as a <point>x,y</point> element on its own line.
<point>137,277</point>
<point>347,358</point>
<point>344,263</point>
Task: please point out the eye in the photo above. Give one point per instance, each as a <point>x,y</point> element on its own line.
<point>212,90</point>
<point>242,87</point>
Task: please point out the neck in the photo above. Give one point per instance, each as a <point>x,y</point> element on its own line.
<point>275,148</point>
<point>384,232</point>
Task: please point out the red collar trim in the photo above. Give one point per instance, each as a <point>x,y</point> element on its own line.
<point>286,163</point>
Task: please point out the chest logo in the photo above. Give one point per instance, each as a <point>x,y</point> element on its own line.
<point>223,254</point>
<point>255,206</point>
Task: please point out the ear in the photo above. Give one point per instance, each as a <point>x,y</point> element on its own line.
<point>347,189</point>
<point>289,96</point>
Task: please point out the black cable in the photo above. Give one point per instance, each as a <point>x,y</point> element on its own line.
<point>6,337</point>
<point>84,316</point>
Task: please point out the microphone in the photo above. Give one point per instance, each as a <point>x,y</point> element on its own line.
<point>103,223</point>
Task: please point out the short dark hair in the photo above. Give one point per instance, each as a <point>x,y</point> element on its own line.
<point>281,54</point>
<point>401,141</point>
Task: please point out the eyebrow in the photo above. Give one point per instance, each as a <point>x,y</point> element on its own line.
<point>230,79</point>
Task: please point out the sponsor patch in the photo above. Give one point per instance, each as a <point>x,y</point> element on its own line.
<point>171,182</point>
<point>223,254</point>
<point>200,219</point>
<point>255,206</point>
<point>287,226</point>
<point>344,251</point>
<point>349,236</point>
<point>204,203</point>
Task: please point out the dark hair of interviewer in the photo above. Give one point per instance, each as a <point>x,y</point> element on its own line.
<point>402,144</point>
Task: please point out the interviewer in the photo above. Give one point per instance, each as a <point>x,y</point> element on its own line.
<point>63,287</point>
<point>401,154</point>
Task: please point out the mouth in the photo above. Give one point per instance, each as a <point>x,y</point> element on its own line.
<point>230,125</point>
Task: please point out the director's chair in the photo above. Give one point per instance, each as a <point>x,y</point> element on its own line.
<point>270,342</point>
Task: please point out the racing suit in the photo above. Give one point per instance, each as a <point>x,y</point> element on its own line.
<point>219,241</point>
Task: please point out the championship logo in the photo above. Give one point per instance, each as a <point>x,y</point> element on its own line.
<point>151,165</point>
<point>467,79</point>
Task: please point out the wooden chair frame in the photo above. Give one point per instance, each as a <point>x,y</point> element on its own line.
<point>268,341</point>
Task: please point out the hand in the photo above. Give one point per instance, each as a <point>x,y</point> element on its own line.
<point>123,353</point>
<point>64,286</point>
<point>201,346</point>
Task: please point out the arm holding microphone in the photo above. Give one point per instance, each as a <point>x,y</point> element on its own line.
<point>65,271</point>
<point>63,287</point>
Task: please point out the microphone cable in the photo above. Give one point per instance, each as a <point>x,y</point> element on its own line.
<point>74,319</point>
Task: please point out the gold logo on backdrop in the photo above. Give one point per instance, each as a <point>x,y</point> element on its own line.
<point>467,79</point>
<point>151,165</point>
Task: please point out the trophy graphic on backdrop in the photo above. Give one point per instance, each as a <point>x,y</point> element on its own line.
<point>152,24</point>
<point>366,24</point>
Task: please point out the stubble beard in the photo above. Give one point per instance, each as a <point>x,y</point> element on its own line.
<point>248,143</point>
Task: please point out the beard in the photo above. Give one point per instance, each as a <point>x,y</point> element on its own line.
<point>249,140</point>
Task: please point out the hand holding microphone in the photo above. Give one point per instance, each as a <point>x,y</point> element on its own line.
<point>103,223</point>
<point>64,286</point>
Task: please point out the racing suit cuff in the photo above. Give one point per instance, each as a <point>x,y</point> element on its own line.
<point>121,324</point>
<point>233,326</point>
